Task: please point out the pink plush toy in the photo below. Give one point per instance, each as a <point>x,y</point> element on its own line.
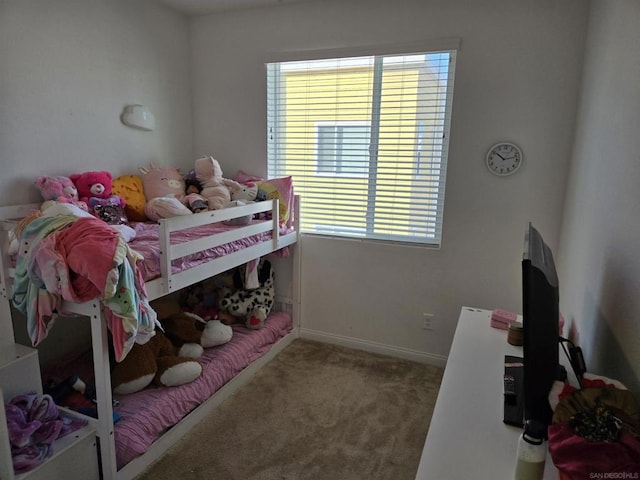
<point>164,190</point>
<point>94,187</point>
<point>215,188</point>
<point>59,189</point>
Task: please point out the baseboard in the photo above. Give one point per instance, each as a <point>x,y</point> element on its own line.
<point>373,347</point>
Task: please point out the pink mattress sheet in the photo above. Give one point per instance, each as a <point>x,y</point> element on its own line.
<point>145,415</point>
<point>147,244</point>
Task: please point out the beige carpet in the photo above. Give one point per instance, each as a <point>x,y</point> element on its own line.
<point>317,412</point>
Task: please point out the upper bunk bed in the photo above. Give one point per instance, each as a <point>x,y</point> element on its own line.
<point>177,252</point>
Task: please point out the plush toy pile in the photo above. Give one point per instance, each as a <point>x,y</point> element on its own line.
<point>157,192</point>
<point>245,295</point>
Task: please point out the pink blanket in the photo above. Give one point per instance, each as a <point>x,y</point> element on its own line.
<point>147,244</point>
<point>148,413</point>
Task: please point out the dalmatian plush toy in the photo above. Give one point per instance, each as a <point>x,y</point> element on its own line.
<point>250,306</point>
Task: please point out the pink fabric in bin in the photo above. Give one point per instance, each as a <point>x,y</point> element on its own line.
<point>146,414</point>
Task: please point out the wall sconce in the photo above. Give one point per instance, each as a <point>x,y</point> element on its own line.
<point>138,116</point>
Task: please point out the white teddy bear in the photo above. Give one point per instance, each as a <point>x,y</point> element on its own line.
<point>215,188</point>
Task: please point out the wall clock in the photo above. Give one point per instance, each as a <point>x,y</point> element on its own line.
<point>504,159</point>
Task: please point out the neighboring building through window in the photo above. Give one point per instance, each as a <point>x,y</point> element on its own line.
<point>366,141</point>
<point>343,148</point>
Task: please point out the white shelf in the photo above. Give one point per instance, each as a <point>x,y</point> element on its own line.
<point>467,438</point>
<point>19,370</point>
<point>74,456</point>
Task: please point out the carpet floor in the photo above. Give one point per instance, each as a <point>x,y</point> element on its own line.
<point>317,412</point>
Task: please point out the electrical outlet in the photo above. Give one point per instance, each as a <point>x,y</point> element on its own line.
<point>427,321</point>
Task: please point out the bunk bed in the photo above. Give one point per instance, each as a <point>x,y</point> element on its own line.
<point>187,249</point>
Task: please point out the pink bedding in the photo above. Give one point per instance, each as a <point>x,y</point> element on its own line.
<point>146,414</point>
<point>147,244</point>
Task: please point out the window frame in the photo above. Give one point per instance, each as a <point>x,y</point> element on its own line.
<point>432,46</point>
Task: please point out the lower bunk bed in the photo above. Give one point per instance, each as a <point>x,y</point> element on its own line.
<point>146,415</point>
<point>152,420</point>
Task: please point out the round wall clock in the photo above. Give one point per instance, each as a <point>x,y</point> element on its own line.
<point>504,158</point>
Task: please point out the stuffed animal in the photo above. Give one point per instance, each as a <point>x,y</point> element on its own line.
<point>109,209</point>
<point>94,187</point>
<point>247,193</point>
<point>130,188</point>
<point>243,220</point>
<point>188,328</point>
<point>59,189</point>
<point>184,328</point>
<point>158,361</point>
<point>251,306</point>
<point>169,358</point>
<point>215,188</point>
<point>193,199</point>
<point>164,190</point>
<point>201,298</point>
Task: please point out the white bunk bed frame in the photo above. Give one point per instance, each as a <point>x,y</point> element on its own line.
<point>166,284</point>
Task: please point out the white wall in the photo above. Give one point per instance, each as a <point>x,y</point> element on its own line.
<point>600,263</point>
<point>67,69</point>
<point>517,79</point>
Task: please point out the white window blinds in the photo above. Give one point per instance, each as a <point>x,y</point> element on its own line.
<point>366,140</point>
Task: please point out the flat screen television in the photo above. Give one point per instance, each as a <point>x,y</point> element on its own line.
<point>540,309</point>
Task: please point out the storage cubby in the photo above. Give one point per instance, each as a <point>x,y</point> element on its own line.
<point>74,456</point>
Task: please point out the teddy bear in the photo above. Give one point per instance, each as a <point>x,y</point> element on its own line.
<point>164,190</point>
<point>59,189</point>
<point>215,188</point>
<point>157,361</point>
<point>169,358</point>
<point>249,305</point>
<point>94,188</point>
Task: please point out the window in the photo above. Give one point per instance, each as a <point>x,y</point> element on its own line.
<point>366,141</point>
<point>343,148</point>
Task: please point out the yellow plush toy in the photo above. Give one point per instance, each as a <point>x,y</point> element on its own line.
<point>130,188</point>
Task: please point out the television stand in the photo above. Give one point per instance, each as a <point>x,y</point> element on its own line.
<point>467,437</point>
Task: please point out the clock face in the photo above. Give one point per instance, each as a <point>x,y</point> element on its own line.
<point>504,159</point>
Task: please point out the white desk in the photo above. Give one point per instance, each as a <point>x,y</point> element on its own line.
<point>467,438</point>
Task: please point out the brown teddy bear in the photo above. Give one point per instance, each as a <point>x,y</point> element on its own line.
<point>170,358</point>
<point>158,361</point>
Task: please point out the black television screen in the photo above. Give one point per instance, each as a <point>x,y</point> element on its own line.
<point>540,309</point>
